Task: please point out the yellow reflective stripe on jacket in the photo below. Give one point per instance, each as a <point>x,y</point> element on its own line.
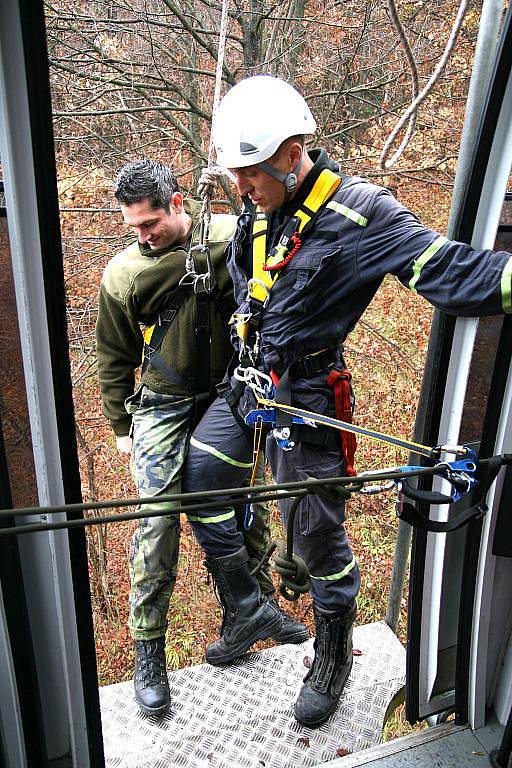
<point>212,519</point>
<point>222,456</point>
<point>337,576</point>
<point>323,188</point>
<point>506,291</point>
<point>422,260</point>
<point>348,213</point>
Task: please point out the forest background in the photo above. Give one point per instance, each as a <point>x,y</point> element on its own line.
<point>136,78</point>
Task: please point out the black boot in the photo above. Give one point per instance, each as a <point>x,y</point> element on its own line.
<point>324,683</point>
<point>150,680</point>
<point>291,630</point>
<point>248,616</point>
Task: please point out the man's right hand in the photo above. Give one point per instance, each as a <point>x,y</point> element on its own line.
<point>124,444</point>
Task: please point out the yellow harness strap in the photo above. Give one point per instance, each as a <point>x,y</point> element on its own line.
<point>323,188</point>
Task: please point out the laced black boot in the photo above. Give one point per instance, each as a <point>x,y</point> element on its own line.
<point>291,630</point>
<point>247,616</point>
<point>150,680</point>
<point>324,683</point>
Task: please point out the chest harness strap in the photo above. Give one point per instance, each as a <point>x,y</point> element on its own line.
<point>154,335</point>
<point>265,271</point>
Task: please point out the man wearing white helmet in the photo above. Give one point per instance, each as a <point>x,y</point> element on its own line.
<point>310,250</point>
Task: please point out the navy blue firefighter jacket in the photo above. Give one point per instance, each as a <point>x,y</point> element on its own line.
<point>361,235</point>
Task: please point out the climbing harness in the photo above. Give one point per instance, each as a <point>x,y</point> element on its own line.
<point>201,386</point>
<point>266,269</point>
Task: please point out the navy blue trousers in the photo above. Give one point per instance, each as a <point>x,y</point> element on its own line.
<point>220,456</point>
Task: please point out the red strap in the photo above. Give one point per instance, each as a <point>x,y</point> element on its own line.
<point>340,383</point>
<point>274,377</point>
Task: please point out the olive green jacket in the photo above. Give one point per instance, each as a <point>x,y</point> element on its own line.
<point>133,290</point>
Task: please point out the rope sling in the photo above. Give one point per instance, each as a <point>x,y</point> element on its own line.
<point>207,181</point>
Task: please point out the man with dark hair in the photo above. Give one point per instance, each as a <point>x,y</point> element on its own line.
<point>153,310</point>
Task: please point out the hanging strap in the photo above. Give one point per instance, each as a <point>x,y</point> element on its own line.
<point>340,383</point>
<point>155,334</point>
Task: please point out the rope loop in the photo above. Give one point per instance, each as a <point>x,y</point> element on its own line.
<point>206,190</point>
<point>294,573</point>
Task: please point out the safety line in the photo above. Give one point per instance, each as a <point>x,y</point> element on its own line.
<point>204,498</point>
<point>329,421</point>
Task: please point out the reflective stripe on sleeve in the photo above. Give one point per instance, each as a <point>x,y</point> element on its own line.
<point>218,454</point>
<point>506,292</point>
<point>336,576</point>
<point>213,519</point>
<point>348,212</point>
<point>423,258</point>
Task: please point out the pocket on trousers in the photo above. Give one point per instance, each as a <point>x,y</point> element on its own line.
<point>317,514</point>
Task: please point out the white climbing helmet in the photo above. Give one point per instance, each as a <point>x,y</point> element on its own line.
<point>255,117</point>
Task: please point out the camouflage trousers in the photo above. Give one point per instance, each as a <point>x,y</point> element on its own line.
<point>161,426</point>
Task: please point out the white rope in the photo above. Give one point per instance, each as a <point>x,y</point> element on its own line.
<point>208,180</point>
<point>411,111</point>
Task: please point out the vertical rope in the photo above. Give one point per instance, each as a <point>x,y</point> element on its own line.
<point>208,180</point>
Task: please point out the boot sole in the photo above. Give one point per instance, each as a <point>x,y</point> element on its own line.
<point>263,633</point>
<point>296,639</point>
<point>316,723</point>
<point>153,711</point>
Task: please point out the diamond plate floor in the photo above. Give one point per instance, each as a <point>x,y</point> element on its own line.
<point>242,715</point>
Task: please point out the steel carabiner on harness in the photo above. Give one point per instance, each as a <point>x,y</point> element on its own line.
<point>203,282</point>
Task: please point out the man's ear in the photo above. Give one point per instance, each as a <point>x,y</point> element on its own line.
<point>294,153</point>
<point>176,202</point>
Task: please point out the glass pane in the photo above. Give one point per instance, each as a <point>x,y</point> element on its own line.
<point>13,402</point>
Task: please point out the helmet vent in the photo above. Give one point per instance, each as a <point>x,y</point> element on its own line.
<point>247,149</point>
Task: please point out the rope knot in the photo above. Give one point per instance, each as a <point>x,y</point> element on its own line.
<point>208,181</point>
<point>294,573</point>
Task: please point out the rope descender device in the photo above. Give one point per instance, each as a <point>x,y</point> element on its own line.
<point>459,473</point>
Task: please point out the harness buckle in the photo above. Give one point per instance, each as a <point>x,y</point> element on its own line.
<point>252,291</point>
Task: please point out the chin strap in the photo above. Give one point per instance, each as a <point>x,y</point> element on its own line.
<point>288,179</point>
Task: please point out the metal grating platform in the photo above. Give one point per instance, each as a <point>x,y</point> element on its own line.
<point>242,715</point>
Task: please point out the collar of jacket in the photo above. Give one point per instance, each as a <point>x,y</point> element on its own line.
<point>320,160</point>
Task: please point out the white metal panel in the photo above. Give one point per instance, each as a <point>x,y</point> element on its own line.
<point>47,572</point>
<point>11,730</point>
<point>493,194</point>
<point>456,382</point>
